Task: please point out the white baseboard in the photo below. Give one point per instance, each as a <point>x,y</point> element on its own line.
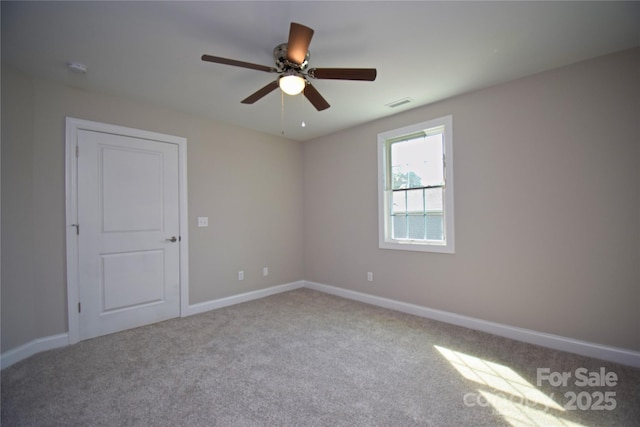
<point>17,354</point>
<point>603,352</point>
<point>237,299</point>
<point>584,348</point>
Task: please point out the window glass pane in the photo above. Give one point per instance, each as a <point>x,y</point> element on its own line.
<point>434,174</point>
<point>416,227</point>
<point>435,226</point>
<point>415,201</point>
<point>399,202</point>
<point>434,199</point>
<point>399,227</point>
<point>417,162</point>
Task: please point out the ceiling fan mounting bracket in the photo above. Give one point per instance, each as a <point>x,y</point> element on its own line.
<point>283,64</point>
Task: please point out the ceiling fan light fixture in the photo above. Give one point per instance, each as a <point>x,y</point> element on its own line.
<point>292,84</point>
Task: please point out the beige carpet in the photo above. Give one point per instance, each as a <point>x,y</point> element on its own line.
<point>305,358</point>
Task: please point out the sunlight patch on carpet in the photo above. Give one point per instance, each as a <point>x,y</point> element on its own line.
<point>515,398</point>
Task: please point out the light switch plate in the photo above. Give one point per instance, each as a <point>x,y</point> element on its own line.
<point>203,221</point>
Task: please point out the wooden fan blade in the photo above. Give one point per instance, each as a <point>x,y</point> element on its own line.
<point>315,98</point>
<point>235,63</point>
<point>298,45</point>
<point>367,74</point>
<point>261,92</point>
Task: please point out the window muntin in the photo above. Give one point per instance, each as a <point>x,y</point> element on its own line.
<point>416,187</point>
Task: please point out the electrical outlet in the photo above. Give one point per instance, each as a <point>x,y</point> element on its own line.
<point>265,271</point>
<point>370,276</point>
<point>203,221</point>
<point>240,275</point>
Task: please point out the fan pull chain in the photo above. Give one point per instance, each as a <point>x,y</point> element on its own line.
<point>303,124</point>
<point>282,111</point>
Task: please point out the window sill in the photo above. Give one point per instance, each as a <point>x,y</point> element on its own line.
<point>417,247</point>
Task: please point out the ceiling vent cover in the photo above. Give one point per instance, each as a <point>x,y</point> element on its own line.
<point>398,103</point>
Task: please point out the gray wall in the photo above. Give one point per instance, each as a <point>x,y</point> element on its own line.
<point>547,206</point>
<point>248,184</point>
<point>19,317</point>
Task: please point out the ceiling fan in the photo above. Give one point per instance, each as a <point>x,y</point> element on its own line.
<point>292,60</point>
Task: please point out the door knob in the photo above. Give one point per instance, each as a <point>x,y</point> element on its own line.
<point>172,239</point>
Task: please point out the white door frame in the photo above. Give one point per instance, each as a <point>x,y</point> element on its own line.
<point>71,186</point>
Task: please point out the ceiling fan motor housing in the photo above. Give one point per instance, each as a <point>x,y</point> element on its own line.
<point>283,64</point>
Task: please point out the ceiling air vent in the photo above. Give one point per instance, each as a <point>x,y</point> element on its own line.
<point>398,103</point>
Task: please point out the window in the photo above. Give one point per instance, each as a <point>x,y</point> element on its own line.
<point>415,190</point>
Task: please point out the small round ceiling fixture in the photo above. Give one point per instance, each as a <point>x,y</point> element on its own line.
<point>77,67</point>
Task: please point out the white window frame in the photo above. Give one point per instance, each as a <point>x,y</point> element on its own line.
<point>385,240</point>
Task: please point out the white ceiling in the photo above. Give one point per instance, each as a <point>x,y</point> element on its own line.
<point>427,51</point>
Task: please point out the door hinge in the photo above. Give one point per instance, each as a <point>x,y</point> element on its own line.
<point>77,152</point>
<point>79,308</point>
<point>77,226</point>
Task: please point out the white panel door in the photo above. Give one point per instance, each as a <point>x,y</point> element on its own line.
<point>128,243</point>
